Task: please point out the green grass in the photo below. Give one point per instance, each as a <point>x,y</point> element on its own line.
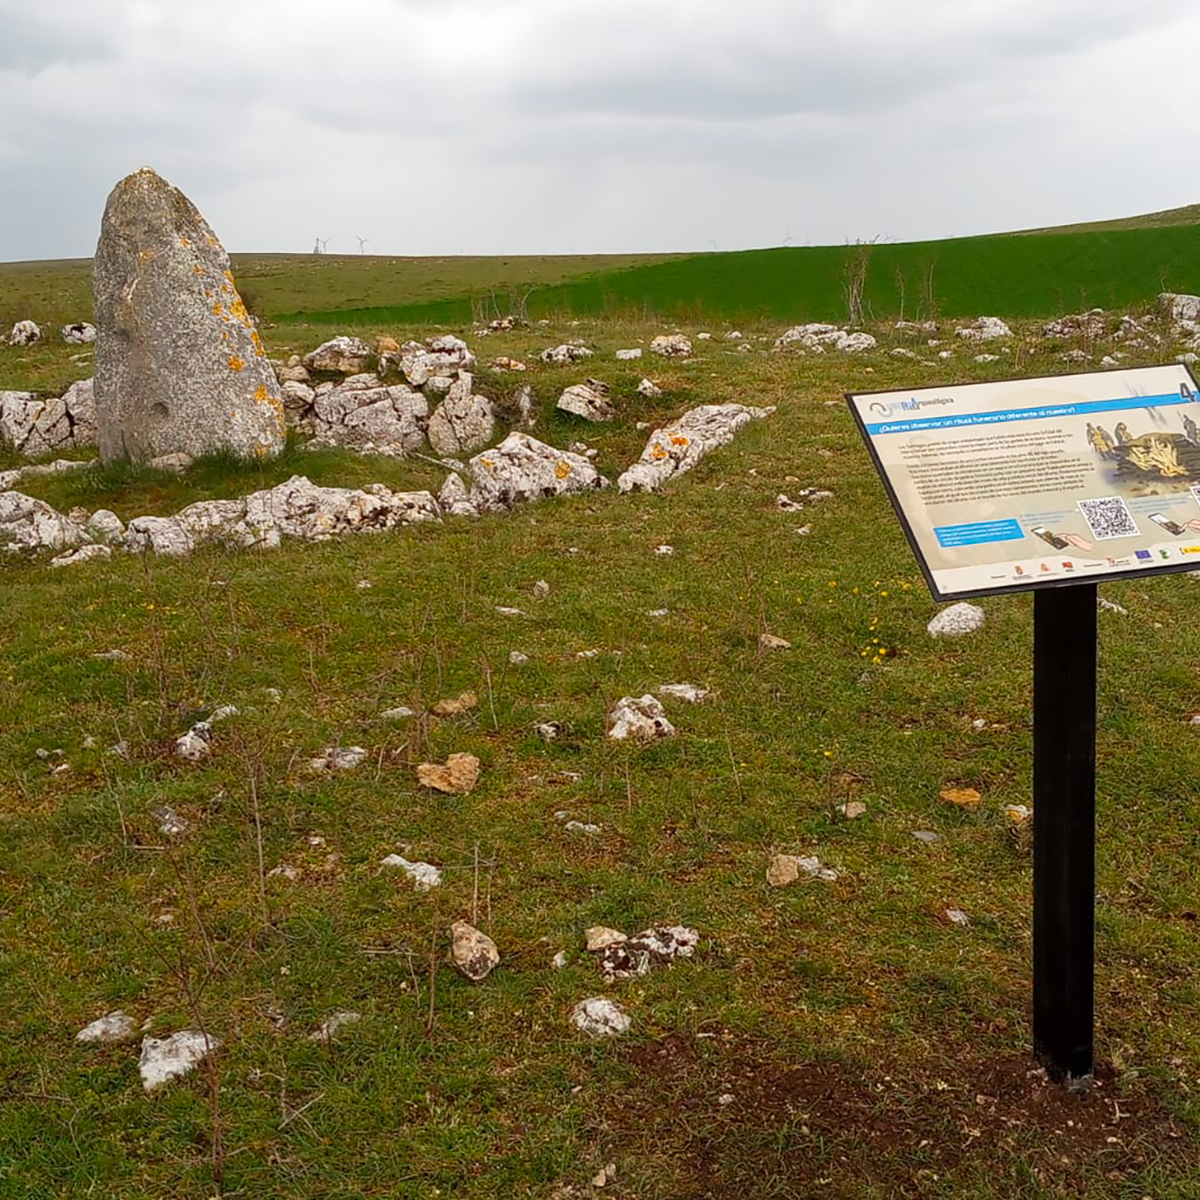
<point>854,1027</point>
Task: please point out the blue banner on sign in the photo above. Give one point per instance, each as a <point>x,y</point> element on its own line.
<point>977,533</point>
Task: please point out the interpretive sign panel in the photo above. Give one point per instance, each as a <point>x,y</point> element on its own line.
<point>1042,482</point>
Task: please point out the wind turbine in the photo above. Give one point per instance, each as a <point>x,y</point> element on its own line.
<point>322,242</point>
<point>361,243</point>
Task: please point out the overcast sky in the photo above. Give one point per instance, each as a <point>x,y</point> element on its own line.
<point>572,126</point>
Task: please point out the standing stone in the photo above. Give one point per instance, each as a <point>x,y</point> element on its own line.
<point>179,364</point>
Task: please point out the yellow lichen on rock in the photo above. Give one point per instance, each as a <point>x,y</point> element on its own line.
<point>237,363</point>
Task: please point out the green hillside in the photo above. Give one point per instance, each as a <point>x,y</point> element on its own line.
<point>1032,275</point>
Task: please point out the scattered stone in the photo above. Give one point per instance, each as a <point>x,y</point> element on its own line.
<point>457,776</point>
<point>1111,606</point>
<point>164,1059</point>
<point>600,937</point>
<point>338,758</point>
<point>956,916</point>
<point>541,589</point>
<point>664,551</point>
<point>424,875</point>
<point>400,713</point>
<point>81,333</point>
<point>956,621</point>
<point>82,555</point>
<point>169,821</point>
<point>104,526</point>
<point>927,836</point>
<point>340,355</point>
<point>452,708</point>
<point>548,731</point>
<point>1179,307</point>
<point>24,333</point>
<point>657,612</point>
<point>678,447</point>
<point>582,827</point>
<point>116,1026</point>
<point>629,355</point>
<point>283,871</point>
<point>966,798</point>
<point>179,363</point>
<point>608,1173</point>
<point>522,469</point>
<point>985,329</point>
<point>600,1017</point>
<point>589,400</point>
<point>517,659</point>
<point>768,641</point>
<point>333,1023</point>
<point>193,745</point>
<point>987,358</point>
<point>504,363</point>
<point>635,956</point>
<point>683,691</point>
<point>463,422</point>
<point>651,391</point>
<point>454,500</point>
<point>671,345</point>
<point>559,961</point>
<point>787,868</point>
<point>569,352</point>
<point>816,336</point>
<point>804,497</point>
<point>472,952</point>
<point>639,719</point>
<point>1018,814</point>
<point>507,611</point>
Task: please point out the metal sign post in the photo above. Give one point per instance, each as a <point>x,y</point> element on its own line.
<point>1018,485</point>
<point>1064,842</point>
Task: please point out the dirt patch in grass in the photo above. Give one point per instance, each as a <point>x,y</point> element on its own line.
<point>718,1116</point>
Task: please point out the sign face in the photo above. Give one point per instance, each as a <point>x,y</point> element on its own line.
<point>1042,482</point>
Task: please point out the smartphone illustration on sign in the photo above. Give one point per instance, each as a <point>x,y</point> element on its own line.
<point>1169,526</point>
<point>1059,543</point>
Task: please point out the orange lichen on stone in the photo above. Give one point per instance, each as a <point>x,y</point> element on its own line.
<point>236,363</point>
<point>218,309</point>
<point>679,441</point>
<point>658,452</point>
<point>257,341</point>
<point>562,470</point>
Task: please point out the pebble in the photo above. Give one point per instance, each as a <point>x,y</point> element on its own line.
<point>600,1017</point>
<point>517,659</point>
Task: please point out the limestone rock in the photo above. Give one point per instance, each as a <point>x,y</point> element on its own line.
<point>383,420</point>
<point>985,329</point>
<point>33,427</point>
<point>684,691</point>
<point>522,469</point>
<point>660,946</point>
<point>671,345</point>
<point>424,875</point>
<point>164,1059</point>
<point>80,402</point>
<point>297,397</point>
<point>462,423</point>
<point>437,358</point>
<point>158,535</point>
<point>338,758</point>
<point>341,355</point>
<point>770,641</point>
<point>588,400</point>
<point>472,952</point>
<point>1179,307</point>
<point>84,554</point>
<point>30,524</point>
<point>628,355</point>
<point>568,352</point>
<point>678,447</point>
<point>116,1026</point>
<point>640,719</point>
<point>81,333</point>
<point>24,333</point>
<point>457,776</point>
<point>787,868</point>
<point>600,1017</point>
<point>956,621</point>
<point>336,1021</point>
<point>649,389</point>
<point>179,363</point>
<point>600,937</point>
<point>454,500</point>
<point>817,336</point>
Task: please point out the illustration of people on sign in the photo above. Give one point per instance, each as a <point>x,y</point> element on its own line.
<point>1122,434</point>
<point>1101,442</point>
<point>1191,430</point>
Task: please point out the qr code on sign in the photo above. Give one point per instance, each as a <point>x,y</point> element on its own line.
<point>1108,517</point>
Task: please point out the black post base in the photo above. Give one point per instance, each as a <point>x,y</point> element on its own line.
<point>1064,819</point>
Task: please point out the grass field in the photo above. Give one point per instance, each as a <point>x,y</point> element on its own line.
<point>872,1049</point>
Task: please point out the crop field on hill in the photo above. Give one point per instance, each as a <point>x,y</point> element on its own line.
<point>836,1038</point>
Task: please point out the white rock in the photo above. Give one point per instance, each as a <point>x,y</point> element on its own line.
<point>855,343</point>
<point>29,524</point>
<point>649,389</point>
<point>589,400</point>
<point>401,713</point>
<point>439,358</point>
<point>454,499</point>
<point>164,1059</point>
<point>472,952</point>
<point>656,947</point>
<point>600,1017</point>
<point>664,551</point>
<point>424,875</point>
<point>116,1026</point>
<point>628,355</point>
<point>193,745</point>
<point>81,333</point>
<point>956,621</point>
<point>600,937</point>
<point>987,358</point>
<point>639,719</point>
<point>158,535</point>
<point>559,961</point>
<point>985,329</point>
<point>338,758</point>
<point>522,469</point>
<point>83,554</point>
<point>956,916</point>
<point>169,821</point>
<point>104,526</point>
<point>24,333</point>
<point>568,352</point>
<point>671,345</point>
<point>581,827</point>
<point>683,691</point>
<point>787,868</point>
<point>332,1023</point>
<point>462,422</point>
<point>1179,307</point>
<point>340,355</point>
<point>678,447</point>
